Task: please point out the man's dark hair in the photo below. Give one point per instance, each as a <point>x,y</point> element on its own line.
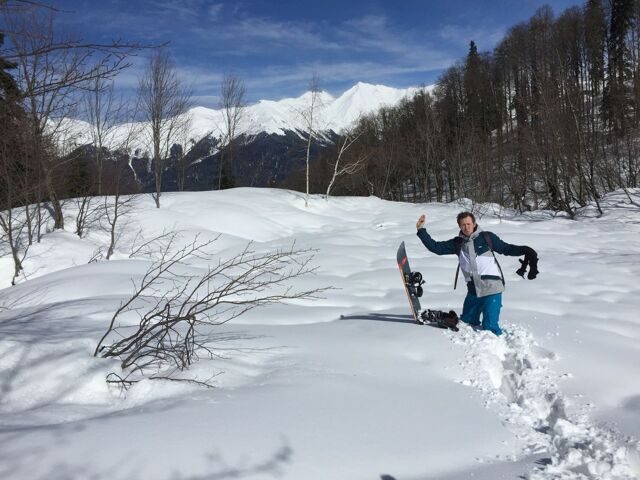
<point>462,215</point>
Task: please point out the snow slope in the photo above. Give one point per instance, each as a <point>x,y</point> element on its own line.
<point>273,117</point>
<point>346,386</point>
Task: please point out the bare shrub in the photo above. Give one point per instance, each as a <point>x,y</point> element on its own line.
<point>176,307</point>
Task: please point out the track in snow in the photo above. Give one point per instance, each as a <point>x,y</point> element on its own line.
<point>513,372</point>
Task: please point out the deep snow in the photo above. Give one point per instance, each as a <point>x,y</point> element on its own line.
<point>344,387</point>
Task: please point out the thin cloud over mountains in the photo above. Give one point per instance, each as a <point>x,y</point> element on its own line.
<point>275,47</point>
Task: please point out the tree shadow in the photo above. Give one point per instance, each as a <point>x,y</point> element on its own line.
<point>19,461</point>
<point>40,345</point>
<point>26,432</point>
<point>40,342</point>
<point>272,466</point>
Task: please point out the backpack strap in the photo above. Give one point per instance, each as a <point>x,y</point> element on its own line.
<point>458,242</point>
<point>487,238</point>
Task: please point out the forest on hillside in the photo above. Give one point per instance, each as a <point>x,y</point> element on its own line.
<point>548,119</point>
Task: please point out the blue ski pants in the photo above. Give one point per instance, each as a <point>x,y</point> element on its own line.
<point>488,306</point>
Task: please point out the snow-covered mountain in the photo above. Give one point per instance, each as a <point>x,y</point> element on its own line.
<point>273,137</point>
<point>275,117</point>
<point>332,113</point>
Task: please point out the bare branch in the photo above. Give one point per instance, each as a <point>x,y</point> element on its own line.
<point>174,305</point>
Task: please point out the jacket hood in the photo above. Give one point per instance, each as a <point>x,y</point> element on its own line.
<point>473,235</point>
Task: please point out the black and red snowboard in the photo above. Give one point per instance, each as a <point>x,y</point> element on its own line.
<point>412,283</point>
<point>413,287</point>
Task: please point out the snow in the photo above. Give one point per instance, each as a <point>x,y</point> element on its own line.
<point>345,386</point>
<point>272,117</point>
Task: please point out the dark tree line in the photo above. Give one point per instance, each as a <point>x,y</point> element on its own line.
<point>549,119</point>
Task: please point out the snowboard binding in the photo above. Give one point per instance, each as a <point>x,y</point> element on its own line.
<point>414,283</point>
<point>440,319</point>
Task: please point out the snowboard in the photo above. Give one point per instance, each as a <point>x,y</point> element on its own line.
<point>413,287</point>
<point>412,283</point>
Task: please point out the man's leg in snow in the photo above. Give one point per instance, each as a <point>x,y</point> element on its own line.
<point>491,313</point>
<point>471,310</point>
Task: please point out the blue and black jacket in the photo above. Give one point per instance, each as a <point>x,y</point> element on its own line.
<point>477,260</point>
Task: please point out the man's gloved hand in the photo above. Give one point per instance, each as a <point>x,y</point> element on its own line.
<point>530,261</point>
<point>531,258</point>
<point>523,268</point>
<point>533,269</point>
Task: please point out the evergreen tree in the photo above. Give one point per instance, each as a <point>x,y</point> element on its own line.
<point>472,88</point>
<point>8,86</point>
<point>595,40</point>
<point>617,94</point>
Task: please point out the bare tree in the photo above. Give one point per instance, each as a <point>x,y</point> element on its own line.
<point>115,208</point>
<point>103,114</point>
<point>51,70</point>
<point>179,151</point>
<point>309,117</point>
<point>120,202</point>
<point>15,222</point>
<point>84,183</point>
<point>350,137</point>
<point>81,187</point>
<point>88,212</point>
<point>232,103</point>
<point>177,308</point>
<point>165,101</point>
<point>14,169</point>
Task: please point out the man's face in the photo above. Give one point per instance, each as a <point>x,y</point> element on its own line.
<point>467,225</point>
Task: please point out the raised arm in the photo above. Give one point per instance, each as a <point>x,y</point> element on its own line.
<point>447,247</point>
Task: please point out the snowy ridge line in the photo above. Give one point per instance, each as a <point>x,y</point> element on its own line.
<point>268,116</point>
<point>513,374</point>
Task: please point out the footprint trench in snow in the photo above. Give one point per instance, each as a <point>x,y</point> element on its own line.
<point>514,376</point>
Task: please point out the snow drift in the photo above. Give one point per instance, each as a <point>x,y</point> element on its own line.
<point>346,386</point>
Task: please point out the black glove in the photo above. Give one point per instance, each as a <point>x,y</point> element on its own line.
<point>530,261</point>
<point>533,268</point>
<point>523,267</point>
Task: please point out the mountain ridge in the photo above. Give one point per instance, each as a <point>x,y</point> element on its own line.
<point>271,146</point>
<point>267,116</point>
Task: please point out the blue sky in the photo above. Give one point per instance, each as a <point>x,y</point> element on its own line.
<point>276,46</point>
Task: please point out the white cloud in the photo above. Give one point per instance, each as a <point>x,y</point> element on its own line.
<point>259,33</point>
<point>211,101</point>
<point>181,9</point>
<point>275,56</point>
<point>369,23</point>
<point>297,78</point>
<point>200,77</point>
<point>215,11</point>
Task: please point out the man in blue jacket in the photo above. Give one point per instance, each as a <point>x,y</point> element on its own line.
<point>481,270</point>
